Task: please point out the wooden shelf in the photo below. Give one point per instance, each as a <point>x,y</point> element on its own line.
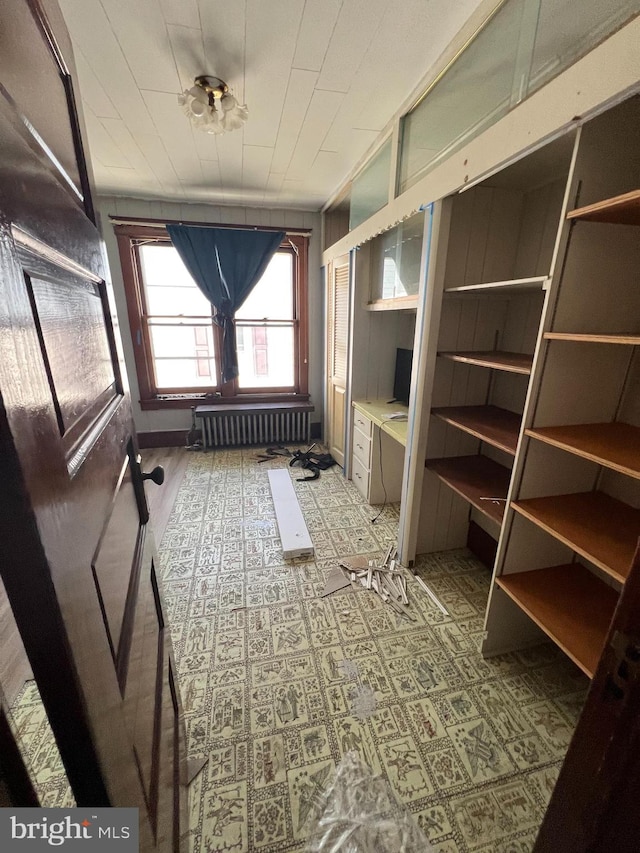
<point>496,426</point>
<point>601,528</point>
<point>512,362</point>
<point>585,338</point>
<point>570,604</point>
<point>475,478</point>
<point>396,303</point>
<point>515,285</point>
<point>622,209</point>
<point>614,445</point>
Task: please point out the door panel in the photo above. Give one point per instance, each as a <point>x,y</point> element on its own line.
<point>594,805</point>
<point>76,548</point>
<point>337,354</point>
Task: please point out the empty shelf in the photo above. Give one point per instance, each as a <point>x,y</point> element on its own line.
<point>514,285</point>
<point>601,528</point>
<point>512,362</point>
<point>477,479</point>
<point>614,445</point>
<point>622,209</point>
<point>496,426</point>
<point>570,604</point>
<point>585,338</point>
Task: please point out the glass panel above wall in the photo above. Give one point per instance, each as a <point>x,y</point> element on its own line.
<point>472,95</point>
<point>566,32</point>
<point>396,261</point>
<point>524,45</point>
<point>370,188</point>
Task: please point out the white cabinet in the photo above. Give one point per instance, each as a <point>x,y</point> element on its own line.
<point>377,448</point>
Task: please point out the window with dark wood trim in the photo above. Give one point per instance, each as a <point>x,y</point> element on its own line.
<point>176,343</point>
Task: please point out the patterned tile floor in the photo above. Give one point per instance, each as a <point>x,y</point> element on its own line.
<point>278,683</point>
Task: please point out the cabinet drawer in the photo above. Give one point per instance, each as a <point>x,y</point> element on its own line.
<point>360,477</point>
<point>361,447</point>
<point>362,423</point>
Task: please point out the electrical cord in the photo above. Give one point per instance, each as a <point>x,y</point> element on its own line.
<point>382,508</point>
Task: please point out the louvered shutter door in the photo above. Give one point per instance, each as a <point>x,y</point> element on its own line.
<point>340,321</point>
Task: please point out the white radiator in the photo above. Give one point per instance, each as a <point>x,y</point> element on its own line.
<point>233,429</point>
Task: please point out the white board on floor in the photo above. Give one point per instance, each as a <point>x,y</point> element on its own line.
<point>294,535</point>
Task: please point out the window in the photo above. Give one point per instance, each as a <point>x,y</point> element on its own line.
<point>176,343</point>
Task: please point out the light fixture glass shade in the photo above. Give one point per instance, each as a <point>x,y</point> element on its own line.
<point>199,104</point>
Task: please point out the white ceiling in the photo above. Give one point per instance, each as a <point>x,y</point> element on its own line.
<point>321,79</point>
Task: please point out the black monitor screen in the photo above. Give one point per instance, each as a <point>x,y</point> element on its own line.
<point>402,379</point>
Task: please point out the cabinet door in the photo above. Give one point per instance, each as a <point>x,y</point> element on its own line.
<point>337,355</point>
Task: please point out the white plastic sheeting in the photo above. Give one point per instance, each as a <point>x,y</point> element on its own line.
<point>360,814</point>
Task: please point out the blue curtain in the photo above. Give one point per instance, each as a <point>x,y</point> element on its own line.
<point>225,263</point>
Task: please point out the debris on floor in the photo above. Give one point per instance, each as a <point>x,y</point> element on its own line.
<point>273,452</point>
<point>312,461</point>
<point>387,579</point>
<point>359,813</point>
<point>336,581</point>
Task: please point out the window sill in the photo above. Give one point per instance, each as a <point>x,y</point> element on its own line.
<point>187,402</point>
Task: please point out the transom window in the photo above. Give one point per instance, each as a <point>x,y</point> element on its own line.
<point>177,345</point>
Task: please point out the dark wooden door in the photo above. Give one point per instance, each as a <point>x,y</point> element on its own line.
<point>76,548</point>
<point>594,806</point>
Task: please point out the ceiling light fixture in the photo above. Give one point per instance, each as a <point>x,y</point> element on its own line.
<point>211,107</point>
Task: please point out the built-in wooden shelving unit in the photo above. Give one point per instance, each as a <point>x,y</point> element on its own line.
<point>614,445</point>
<point>514,285</point>
<point>593,524</point>
<point>492,424</point>
<point>512,362</point>
<point>621,209</point>
<point>478,479</point>
<point>580,453</point>
<point>584,338</point>
<point>571,605</point>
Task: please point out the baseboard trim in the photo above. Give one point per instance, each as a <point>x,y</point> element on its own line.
<point>162,438</point>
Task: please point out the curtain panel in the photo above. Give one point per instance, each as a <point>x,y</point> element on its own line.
<point>226,264</point>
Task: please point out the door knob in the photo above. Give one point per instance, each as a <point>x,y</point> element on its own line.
<point>157,475</point>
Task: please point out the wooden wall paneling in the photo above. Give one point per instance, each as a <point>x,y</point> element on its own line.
<point>457,523</point>
<point>508,391</point>
<point>449,324</point>
<point>507,627</point>
<point>583,383</point>
<point>431,486</point>
<point>625,489</point>
<point>587,305</point>
<point>476,242</point>
<point>530,547</point>
<point>501,243</point>
<point>629,411</point>
<point>456,259</point>
<point>607,162</point>
<point>552,225</point>
<point>551,471</point>
<point>538,229</point>
<point>522,322</point>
